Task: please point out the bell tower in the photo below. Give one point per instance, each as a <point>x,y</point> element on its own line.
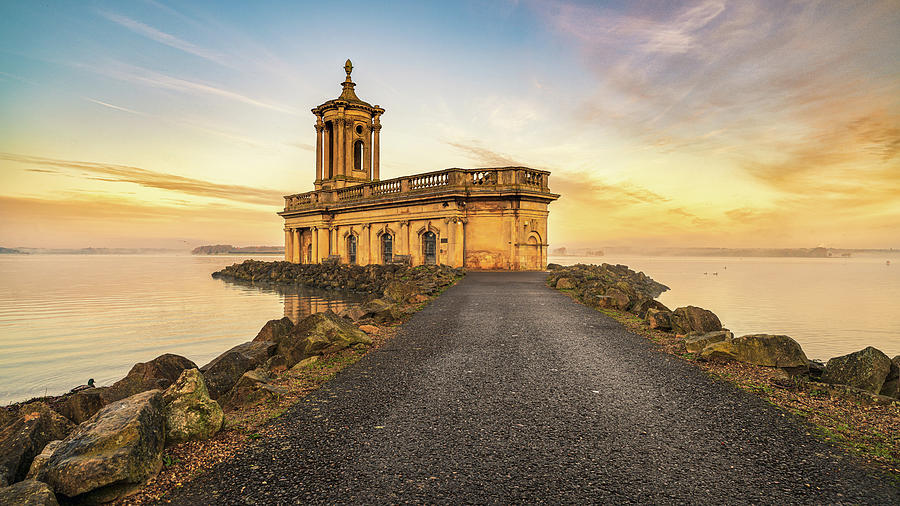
<point>347,139</point>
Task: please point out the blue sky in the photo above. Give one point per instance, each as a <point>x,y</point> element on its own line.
<point>713,123</point>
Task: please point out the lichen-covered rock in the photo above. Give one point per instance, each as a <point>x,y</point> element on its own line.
<point>190,413</point>
<point>384,311</point>
<point>891,387</point>
<point>694,319</point>
<point>619,297</point>
<point>565,284</point>
<point>26,435</point>
<point>659,319</point>
<point>401,292</point>
<point>251,388</point>
<point>156,374</point>
<point>319,333</point>
<point>759,349</point>
<point>274,329</point>
<point>642,306</point>
<point>111,454</point>
<point>28,493</point>
<point>694,343</point>
<point>80,406</point>
<point>224,371</point>
<point>39,464</point>
<point>865,369</point>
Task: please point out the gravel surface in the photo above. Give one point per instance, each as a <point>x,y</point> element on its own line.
<point>503,390</point>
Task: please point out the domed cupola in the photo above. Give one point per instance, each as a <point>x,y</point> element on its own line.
<point>347,139</point>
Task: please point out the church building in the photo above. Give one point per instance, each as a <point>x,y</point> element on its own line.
<point>485,218</point>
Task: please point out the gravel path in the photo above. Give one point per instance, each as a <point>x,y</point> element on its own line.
<point>503,390</point>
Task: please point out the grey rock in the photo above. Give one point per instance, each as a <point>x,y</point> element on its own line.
<point>866,369</point>
<point>25,437</point>
<point>112,453</point>
<point>224,371</point>
<point>156,374</point>
<point>694,343</point>
<point>28,493</point>
<point>190,413</point>
<point>759,349</point>
<point>694,319</point>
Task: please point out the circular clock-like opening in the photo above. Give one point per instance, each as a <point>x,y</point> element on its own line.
<point>359,129</point>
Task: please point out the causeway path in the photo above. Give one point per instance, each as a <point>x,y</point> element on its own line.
<point>505,391</point>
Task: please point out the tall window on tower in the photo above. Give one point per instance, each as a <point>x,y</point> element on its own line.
<point>357,155</point>
<point>329,150</point>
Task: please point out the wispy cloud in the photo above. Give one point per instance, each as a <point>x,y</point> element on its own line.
<point>153,179</point>
<point>146,77</point>
<point>165,38</point>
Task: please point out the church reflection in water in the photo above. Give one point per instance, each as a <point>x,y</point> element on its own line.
<point>298,306</point>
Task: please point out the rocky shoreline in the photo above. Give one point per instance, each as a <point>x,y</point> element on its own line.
<point>99,444</point>
<point>864,382</point>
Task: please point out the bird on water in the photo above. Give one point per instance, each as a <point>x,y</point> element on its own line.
<point>90,384</point>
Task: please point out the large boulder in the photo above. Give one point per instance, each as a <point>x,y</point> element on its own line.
<point>80,406</point>
<point>401,292</point>
<point>891,387</point>
<point>866,369</point>
<point>156,374</point>
<point>694,343</point>
<point>642,306</point>
<point>659,319</point>
<point>759,349</point>
<point>619,297</point>
<point>319,333</point>
<point>111,454</point>
<point>694,319</point>
<point>190,413</point>
<point>223,371</point>
<point>26,435</point>
<point>565,284</point>
<point>28,493</point>
<point>274,329</point>
<point>383,311</point>
<point>39,464</point>
<point>253,387</point>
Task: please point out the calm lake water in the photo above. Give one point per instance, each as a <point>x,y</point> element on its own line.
<point>67,318</point>
<point>831,306</point>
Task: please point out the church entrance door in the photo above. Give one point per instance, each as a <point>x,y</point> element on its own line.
<point>387,248</point>
<point>429,245</point>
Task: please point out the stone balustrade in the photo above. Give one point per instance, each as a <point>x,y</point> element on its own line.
<point>449,180</point>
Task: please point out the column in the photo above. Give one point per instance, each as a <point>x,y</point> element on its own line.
<point>287,245</point>
<point>367,152</point>
<point>319,128</point>
<point>376,163</point>
<point>297,244</point>
<point>315,246</point>
<point>362,245</point>
<point>333,241</point>
<point>339,146</point>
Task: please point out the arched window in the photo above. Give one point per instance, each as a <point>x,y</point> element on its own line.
<point>351,249</point>
<point>429,247</point>
<point>387,248</point>
<point>357,155</point>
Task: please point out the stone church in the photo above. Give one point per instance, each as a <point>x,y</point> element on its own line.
<point>485,218</point>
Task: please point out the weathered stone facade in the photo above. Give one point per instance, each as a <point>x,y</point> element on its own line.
<point>486,218</point>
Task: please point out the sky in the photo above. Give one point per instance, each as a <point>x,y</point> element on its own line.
<point>708,123</point>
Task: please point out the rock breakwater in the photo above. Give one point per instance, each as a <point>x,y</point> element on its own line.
<point>371,279</point>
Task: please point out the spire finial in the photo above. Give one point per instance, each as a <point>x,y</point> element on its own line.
<point>348,67</point>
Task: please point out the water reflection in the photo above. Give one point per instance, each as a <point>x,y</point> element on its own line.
<point>301,301</point>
